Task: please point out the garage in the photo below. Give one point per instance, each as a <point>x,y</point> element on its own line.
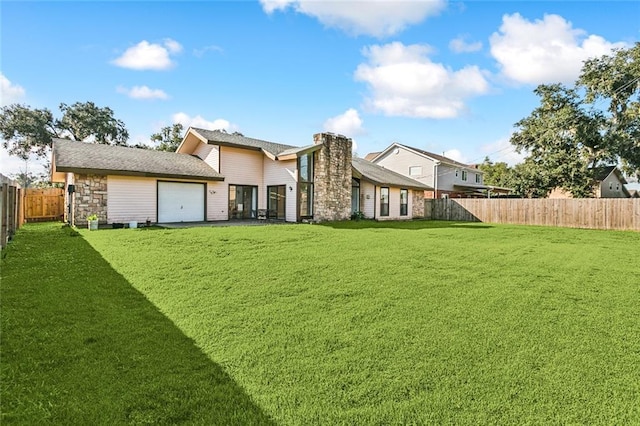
<point>181,202</point>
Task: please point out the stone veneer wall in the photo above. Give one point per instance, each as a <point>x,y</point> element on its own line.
<point>90,197</point>
<point>332,178</point>
<point>417,209</point>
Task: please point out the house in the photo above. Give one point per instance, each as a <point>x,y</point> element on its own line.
<point>446,177</point>
<point>217,176</point>
<point>608,182</point>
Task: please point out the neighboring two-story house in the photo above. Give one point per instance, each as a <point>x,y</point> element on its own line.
<point>608,182</point>
<point>446,177</point>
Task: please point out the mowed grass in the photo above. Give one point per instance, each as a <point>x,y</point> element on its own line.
<point>360,322</point>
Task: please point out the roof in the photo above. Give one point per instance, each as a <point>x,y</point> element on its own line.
<point>440,158</point>
<point>380,175</point>
<point>600,173</point>
<point>370,156</point>
<point>242,141</point>
<point>72,156</point>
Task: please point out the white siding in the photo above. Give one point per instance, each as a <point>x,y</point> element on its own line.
<point>131,198</point>
<point>217,201</point>
<point>282,173</point>
<point>367,199</point>
<point>243,167</point>
<point>210,154</point>
<point>403,160</point>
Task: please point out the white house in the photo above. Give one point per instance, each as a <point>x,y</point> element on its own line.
<point>216,176</point>
<point>446,177</point>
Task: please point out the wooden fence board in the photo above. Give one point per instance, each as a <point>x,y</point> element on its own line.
<point>44,204</point>
<point>593,213</point>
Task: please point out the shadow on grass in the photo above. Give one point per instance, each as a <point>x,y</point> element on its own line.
<point>81,346</point>
<point>406,224</point>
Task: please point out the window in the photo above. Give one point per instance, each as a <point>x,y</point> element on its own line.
<point>305,185</point>
<point>457,172</point>
<point>415,171</point>
<point>276,201</point>
<point>384,201</point>
<point>464,175</point>
<point>610,185</point>
<point>404,201</point>
<point>355,195</point>
<point>478,178</point>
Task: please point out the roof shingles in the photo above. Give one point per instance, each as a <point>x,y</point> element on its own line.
<point>235,139</point>
<point>72,156</point>
<point>382,176</point>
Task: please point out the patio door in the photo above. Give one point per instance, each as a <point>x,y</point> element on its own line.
<point>276,196</point>
<point>243,202</point>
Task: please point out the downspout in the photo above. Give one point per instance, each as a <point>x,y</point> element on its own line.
<point>435,180</point>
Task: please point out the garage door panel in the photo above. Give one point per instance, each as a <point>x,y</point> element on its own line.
<point>181,202</point>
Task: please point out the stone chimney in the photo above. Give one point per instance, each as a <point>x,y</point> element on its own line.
<point>332,178</point>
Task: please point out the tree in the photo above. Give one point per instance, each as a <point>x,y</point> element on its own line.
<point>170,137</point>
<point>496,174</point>
<point>570,133</point>
<point>615,80</point>
<point>28,131</point>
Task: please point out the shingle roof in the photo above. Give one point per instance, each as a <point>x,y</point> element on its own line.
<point>243,141</point>
<point>72,156</point>
<point>382,176</point>
<point>600,173</point>
<point>441,158</point>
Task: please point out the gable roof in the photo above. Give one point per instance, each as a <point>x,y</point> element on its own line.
<point>381,176</point>
<point>82,157</point>
<point>600,173</point>
<point>230,139</point>
<point>374,155</point>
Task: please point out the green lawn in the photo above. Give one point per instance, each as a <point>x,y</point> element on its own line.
<point>352,323</point>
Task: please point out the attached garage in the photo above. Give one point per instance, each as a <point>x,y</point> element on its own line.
<point>181,202</point>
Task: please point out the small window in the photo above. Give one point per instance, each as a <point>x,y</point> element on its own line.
<point>415,171</point>
<point>610,185</point>
<point>445,196</point>
<point>617,187</point>
<point>404,201</point>
<point>384,201</point>
<point>457,172</point>
<point>464,175</point>
<point>478,178</point>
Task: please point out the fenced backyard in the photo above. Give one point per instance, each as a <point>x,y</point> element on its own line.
<point>593,213</point>
<point>42,205</point>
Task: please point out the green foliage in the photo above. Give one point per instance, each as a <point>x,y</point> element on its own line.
<point>567,134</point>
<point>28,131</point>
<point>365,322</point>
<point>92,217</point>
<point>357,215</point>
<point>169,137</point>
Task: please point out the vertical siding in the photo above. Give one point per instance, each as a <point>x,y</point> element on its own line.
<point>210,154</point>
<point>367,199</point>
<point>131,198</point>
<point>243,167</point>
<point>282,173</point>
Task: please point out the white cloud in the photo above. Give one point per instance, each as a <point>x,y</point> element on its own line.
<point>9,93</point>
<point>456,154</point>
<point>142,92</point>
<point>149,56</point>
<point>372,17</point>
<point>10,165</point>
<point>502,150</point>
<point>348,124</point>
<point>403,81</point>
<point>544,51</point>
<point>199,53</point>
<point>460,45</point>
<point>199,121</point>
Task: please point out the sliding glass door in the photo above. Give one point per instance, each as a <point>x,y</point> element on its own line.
<point>243,202</point>
<point>276,196</point>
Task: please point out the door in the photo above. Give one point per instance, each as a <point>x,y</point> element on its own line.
<point>243,202</point>
<point>181,202</point>
<point>276,196</point>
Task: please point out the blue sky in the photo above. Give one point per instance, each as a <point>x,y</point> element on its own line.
<point>448,77</point>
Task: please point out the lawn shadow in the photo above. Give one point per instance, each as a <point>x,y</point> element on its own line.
<point>82,346</point>
<point>416,224</point>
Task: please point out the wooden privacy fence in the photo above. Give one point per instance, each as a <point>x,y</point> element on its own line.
<point>11,209</point>
<point>44,204</point>
<point>594,213</point>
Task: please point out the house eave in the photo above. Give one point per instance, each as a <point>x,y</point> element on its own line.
<point>88,171</point>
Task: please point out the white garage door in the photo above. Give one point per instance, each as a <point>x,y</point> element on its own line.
<point>180,202</point>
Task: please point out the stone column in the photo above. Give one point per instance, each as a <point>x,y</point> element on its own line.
<point>417,210</point>
<point>90,198</point>
<point>332,178</point>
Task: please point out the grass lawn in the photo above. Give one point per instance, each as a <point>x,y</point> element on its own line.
<point>351,323</point>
